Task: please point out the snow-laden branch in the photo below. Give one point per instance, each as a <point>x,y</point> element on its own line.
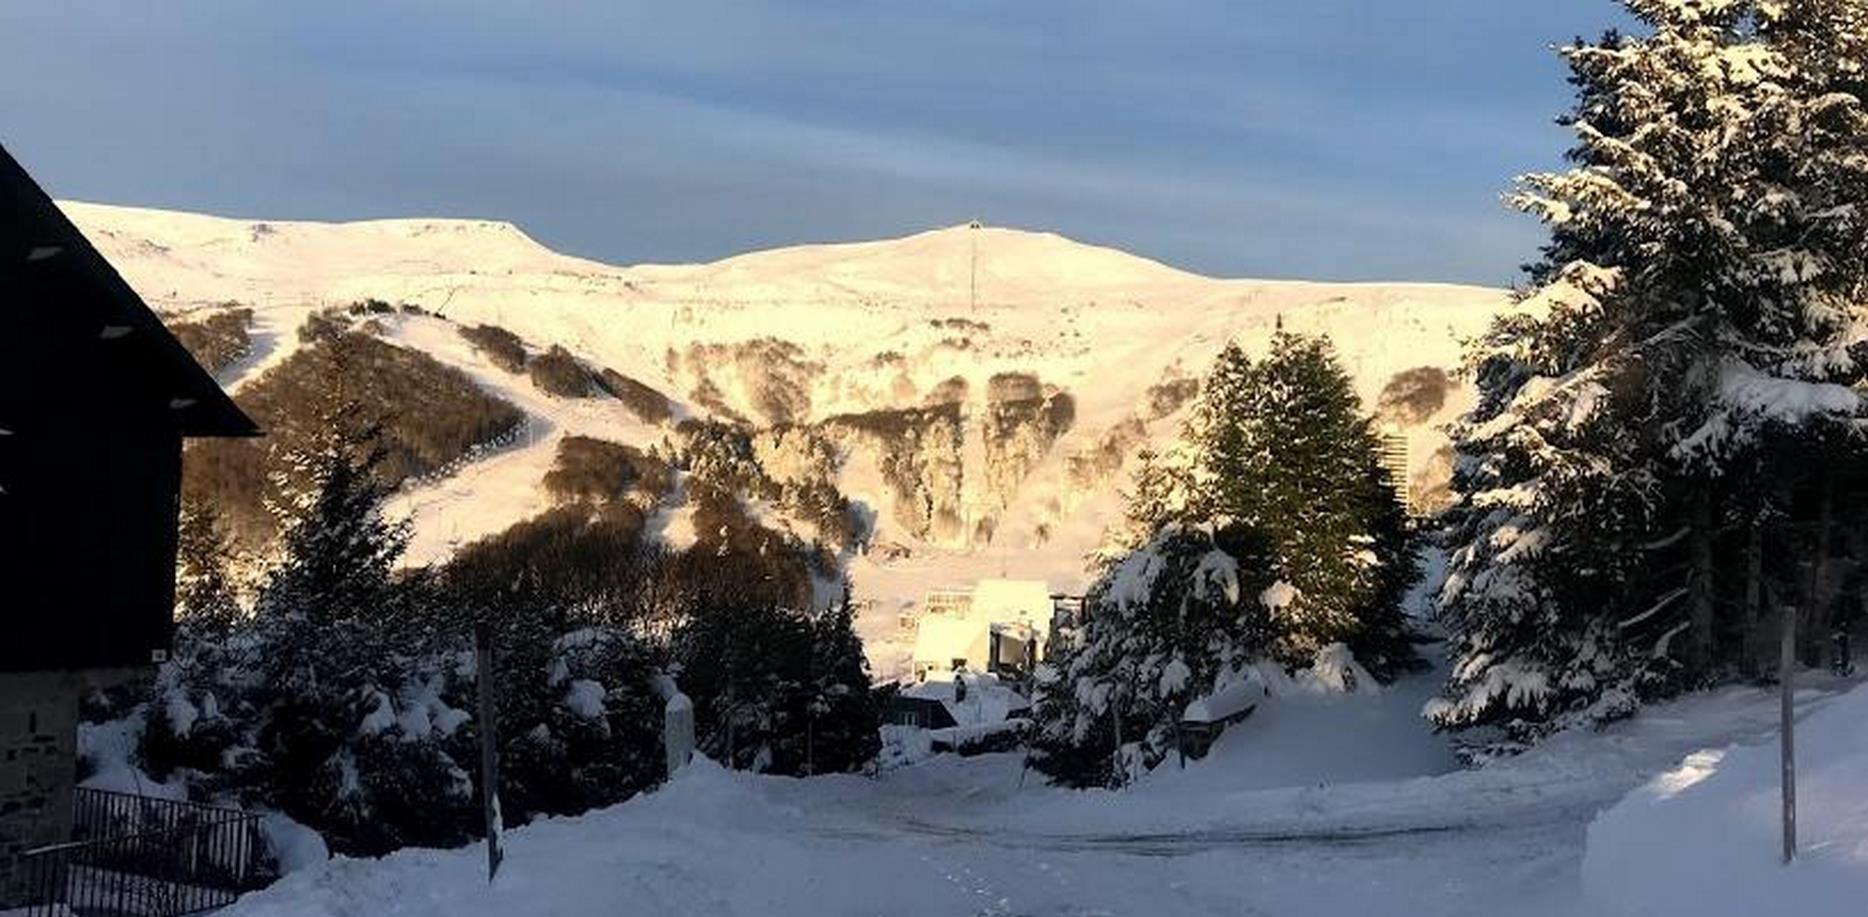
<point>1655,609</point>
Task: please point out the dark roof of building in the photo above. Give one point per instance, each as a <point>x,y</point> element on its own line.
<point>40,249</point>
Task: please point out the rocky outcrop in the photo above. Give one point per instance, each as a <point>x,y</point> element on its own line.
<point>918,453</point>
<point>764,380</point>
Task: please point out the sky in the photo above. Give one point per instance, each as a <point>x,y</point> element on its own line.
<point>1323,139</point>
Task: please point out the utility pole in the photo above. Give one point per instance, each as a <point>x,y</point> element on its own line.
<point>489,745</point>
<point>972,279</point>
<point>1786,681</point>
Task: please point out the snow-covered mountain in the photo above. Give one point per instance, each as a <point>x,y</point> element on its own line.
<point>1004,377</point>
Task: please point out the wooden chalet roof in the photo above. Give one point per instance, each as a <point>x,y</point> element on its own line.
<point>52,278</point>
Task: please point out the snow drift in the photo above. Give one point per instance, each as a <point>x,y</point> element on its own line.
<point>1703,838</point>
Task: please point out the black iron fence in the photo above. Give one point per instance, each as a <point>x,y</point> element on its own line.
<point>134,855</point>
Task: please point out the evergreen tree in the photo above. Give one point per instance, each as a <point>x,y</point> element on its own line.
<point>1268,533</point>
<point>1225,473</point>
<point>777,690</point>
<point>339,639</point>
<point>204,593</point>
<point>844,717</point>
<point>1171,621</point>
<point>1691,323</point>
<point>1317,491</point>
<point>331,702</point>
<point>344,699</point>
<point>339,551</point>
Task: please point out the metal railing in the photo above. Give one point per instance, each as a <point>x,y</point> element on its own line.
<point>135,855</point>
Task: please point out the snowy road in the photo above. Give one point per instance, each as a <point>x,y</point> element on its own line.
<point>1382,824</point>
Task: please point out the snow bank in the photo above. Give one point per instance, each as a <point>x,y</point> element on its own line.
<point>1703,839</point>
<point>293,845</point>
<point>709,842</point>
<point>110,748</point>
<point>1303,734</point>
<point>904,745</point>
<point>1323,805</point>
<point>1233,697</point>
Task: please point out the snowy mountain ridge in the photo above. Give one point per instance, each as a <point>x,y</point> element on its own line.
<point>1052,362</point>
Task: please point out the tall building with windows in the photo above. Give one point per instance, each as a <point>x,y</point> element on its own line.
<point>1394,461</point>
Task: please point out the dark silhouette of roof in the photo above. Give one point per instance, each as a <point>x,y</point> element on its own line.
<point>56,280</point>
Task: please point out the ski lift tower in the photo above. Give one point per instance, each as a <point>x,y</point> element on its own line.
<point>972,278</point>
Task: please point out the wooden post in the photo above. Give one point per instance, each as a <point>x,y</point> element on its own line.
<point>1786,678</point>
<point>489,745</point>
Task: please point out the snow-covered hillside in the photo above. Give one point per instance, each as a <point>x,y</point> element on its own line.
<point>799,335</point>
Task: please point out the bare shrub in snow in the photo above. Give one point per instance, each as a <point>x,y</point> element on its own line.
<point>1414,396</point>
<point>557,372</point>
<point>649,405</point>
<point>1170,395</point>
<point>502,348</point>
<point>218,341</point>
<point>599,470</point>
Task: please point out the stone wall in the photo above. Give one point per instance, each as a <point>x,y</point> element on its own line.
<point>38,768</point>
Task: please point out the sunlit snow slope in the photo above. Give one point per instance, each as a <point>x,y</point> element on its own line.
<point>801,334</point>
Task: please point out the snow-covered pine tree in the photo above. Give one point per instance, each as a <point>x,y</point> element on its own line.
<point>1221,465</point>
<point>344,699</point>
<point>204,593</point>
<point>777,690</point>
<point>335,701</point>
<point>1167,623</point>
<point>1696,313</point>
<point>1312,483</point>
<point>842,713</point>
<point>1275,482</point>
<point>339,550</point>
<point>340,641</point>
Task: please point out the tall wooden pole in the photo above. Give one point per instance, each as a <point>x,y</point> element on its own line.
<point>489,745</point>
<point>1786,679</point>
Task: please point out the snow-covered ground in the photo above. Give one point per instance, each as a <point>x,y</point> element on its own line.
<point>1698,838</point>
<point>1315,806</point>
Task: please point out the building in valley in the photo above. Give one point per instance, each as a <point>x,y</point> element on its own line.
<point>999,625</point>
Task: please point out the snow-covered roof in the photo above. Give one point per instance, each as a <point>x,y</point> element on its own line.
<point>1226,702</point>
<point>1027,601</point>
<point>942,639</point>
<point>988,700</point>
<point>49,257</point>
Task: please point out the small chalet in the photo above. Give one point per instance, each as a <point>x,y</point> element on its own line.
<point>968,713</point>
<point>95,400</point>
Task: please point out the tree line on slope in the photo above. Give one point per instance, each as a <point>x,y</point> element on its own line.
<point>430,415</point>
<point>217,341</point>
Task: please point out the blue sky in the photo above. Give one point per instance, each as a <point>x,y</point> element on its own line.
<point>1324,139</point>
